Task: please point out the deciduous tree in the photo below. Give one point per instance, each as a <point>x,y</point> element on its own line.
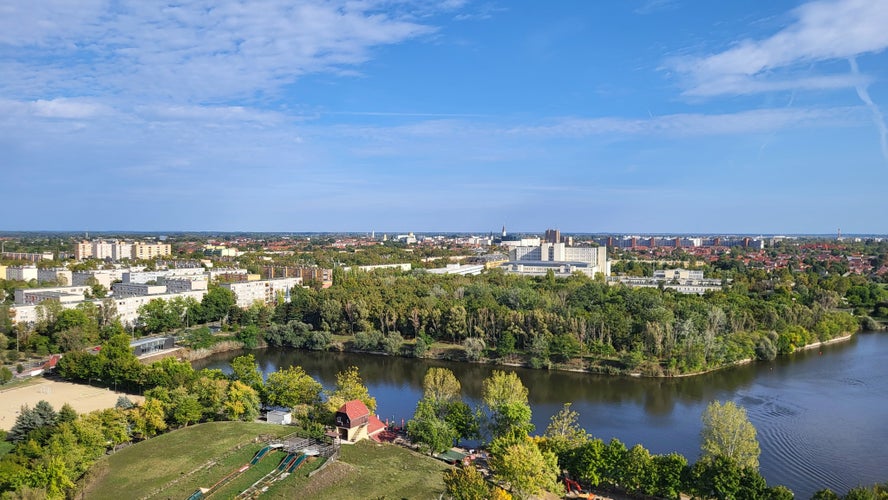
<point>728,433</point>
<point>349,386</point>
<point>440,386</point>
<point>526,469</point>
<point>291,387</point>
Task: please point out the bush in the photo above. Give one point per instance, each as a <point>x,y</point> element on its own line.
<point>318,341</point>
<point>5,375</point>
<point>391,343</point>
<point>474,348</point>
<point>765,350</point>
<point>420,348</point>
<point>368,341</point>
<point>249,335</point>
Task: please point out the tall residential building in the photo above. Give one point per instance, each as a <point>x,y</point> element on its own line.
<point>120,250</point>
<point>102,249</point>
<point>151,250</point>
<point>83,250</point>
<point>553,236</point>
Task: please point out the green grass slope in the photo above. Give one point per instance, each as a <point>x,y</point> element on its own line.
<point>176,464</point>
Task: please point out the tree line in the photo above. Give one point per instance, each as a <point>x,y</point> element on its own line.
<point>578,320</point>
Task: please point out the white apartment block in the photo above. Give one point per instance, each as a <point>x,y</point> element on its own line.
<point>21,273</point>
<point>60,275</point>
<point>165,274</point>
<point>104,277</point>
<point>135,289</point>
<point>215,273</point>
<point>127,307</point>
<point>185,285</point>
<point>121,250</point>
<point>523,242</point>
<point>247,293</point>
<point>64,294</point>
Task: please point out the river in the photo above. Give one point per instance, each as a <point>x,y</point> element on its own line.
<point>820,414</point>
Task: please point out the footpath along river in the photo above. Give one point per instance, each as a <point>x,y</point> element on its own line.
<point>821,414</point>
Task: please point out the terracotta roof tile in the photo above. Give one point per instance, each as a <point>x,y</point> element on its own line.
<point>354,409</point>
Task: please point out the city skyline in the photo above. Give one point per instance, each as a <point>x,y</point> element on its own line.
<point>646,116</point>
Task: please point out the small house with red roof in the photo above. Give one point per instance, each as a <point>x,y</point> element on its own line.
<point>354,422</point>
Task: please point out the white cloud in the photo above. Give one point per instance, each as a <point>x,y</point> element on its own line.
<point>694,124</point>
<point>822,31</point>
<point>193,50</point>
<point>63,108</point>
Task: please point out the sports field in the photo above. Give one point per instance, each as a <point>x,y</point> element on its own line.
<point>83,398</point>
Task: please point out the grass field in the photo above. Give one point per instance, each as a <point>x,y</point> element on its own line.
<point>174,465</point>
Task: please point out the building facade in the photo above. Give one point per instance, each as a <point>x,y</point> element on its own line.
<point>558,258</point>
<point>263,291</point>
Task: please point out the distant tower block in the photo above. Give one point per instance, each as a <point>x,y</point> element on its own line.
<point>553,236</point>
<point>504,231</point>
<point>839,235</point>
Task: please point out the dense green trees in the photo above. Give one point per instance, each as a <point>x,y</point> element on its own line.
<point>635,470</point>
<point>563,321</point>
<point>291,387</point>
<point>441,417</point>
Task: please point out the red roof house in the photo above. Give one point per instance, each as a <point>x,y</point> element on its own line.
<point>354,422</point>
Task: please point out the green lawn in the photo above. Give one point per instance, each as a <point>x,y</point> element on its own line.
<point>174,465</point>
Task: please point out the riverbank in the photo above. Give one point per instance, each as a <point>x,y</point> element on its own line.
<point>457,353</point>
<point>836,340</point>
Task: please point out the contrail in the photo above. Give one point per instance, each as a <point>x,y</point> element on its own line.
<point>774,133</point>
<point>878,119</point>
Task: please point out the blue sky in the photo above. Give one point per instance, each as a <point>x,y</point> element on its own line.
<point>394,115</point>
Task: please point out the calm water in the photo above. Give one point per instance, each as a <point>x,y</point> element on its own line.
<point>820,415</point>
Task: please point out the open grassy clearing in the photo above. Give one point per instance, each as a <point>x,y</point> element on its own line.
<point>194,456</point>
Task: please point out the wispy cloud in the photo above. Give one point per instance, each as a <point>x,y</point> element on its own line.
<point>62,108</point>
<point>192,50</point>
<point>694,124</point>
<point>821,31</point>
<point>654,6</point>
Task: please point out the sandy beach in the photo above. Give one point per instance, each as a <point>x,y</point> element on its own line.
<point>82,398</point>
